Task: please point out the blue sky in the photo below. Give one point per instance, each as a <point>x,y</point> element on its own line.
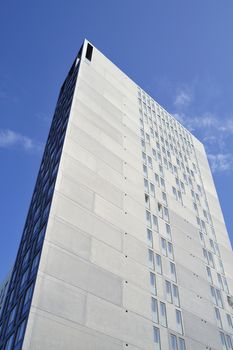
<point>180,52</point>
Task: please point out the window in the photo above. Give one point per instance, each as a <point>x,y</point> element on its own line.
<point>26,258</point>
<point>156,338</point>
<point>158,264</point>
<point>153,283</point>
<point>152,189</point>
<point>179,322</point>
<point>24,278</point>
<point>151,261</point>
<point>162,183</point>
<point>155,223</point>
<point>40,236</point>
<point>154,153</point>
<point>20,332</point>
<point>147,201</point>
<point>161,170</point>
<point>166,214</point>
<point>170,250</point>
<point>145,171</point>
<point>179,197</point>
<point>168,231</point>
<point>212,290</point>
<point>216,296</point>
<point>219,298</point>
<point>217,251</point>
<point>229,342</point>
<point>218,317</point>
<point>205,256</point>
<point>35,263</point>
<point>229,321</point>
<point>220,283</point>
<point>163,314</point>
<point>209,274</point>
<point>159,157</point>
<point>148,218</point>
<point>9,343</point>
<point>164,196</point>
<point>211,260</point>
<point>168,291</point>
<point>149,238</point>
<point>89,52</point>
<point>173,271</point>
<point>144,157</point>
<point>160,209</point>
<point>173,342</point>
<point>221,266</point>
<point>225,285</point>
<point>181,344</point>
<point>146,186</point>
<point>149,162</point>
<point>182,187</point>
<point>163,246</point>
<point>46,212</point>
<point>202,238</point>
<point>11,317</point>
<point>154,308</point>
<point>28,297</point>
<point>223,340</point>
<point>175,295</point>
<point>157,180</point>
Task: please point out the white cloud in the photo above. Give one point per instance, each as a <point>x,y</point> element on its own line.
<point>207,120</point>
<point>10,138</point>
<point>183,98</point>
<point>215,131</point>
<point>221,162</point>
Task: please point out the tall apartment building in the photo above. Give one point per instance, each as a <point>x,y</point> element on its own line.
<point>124,245</point>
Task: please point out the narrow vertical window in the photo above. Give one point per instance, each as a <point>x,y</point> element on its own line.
<point>229,321</point>
<point>152,190</point>
<point>170,250</point>
<point>146,186</point>
<point>173,271</point>
<point>147,201</point>
<point>151,261</point>
<point>145,171</point>
<point>153,288</point>
<point>179,322</point>
<point>149,238</point>
<point>229,342</point>
<point>175,294</point>
<point>219,298</point>
<point>168,231</point>
<point>163,314</point>
<point>148,219</point>
<point>223,340</point>
<point>212,290</point>
<point>158,264</point>
<point>209,274</point>
<point>173,342</point>
<point>154,308</point>
<point>157,338</point>
<point>168,291</point>
<point>218,317</point>
<point>20,332</point>
<point>155,223</point>
<point>181,344</point>
<point>89,52</point>
<point>163,246</point>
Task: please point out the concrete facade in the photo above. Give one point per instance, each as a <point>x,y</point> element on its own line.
<point>136,254</point>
